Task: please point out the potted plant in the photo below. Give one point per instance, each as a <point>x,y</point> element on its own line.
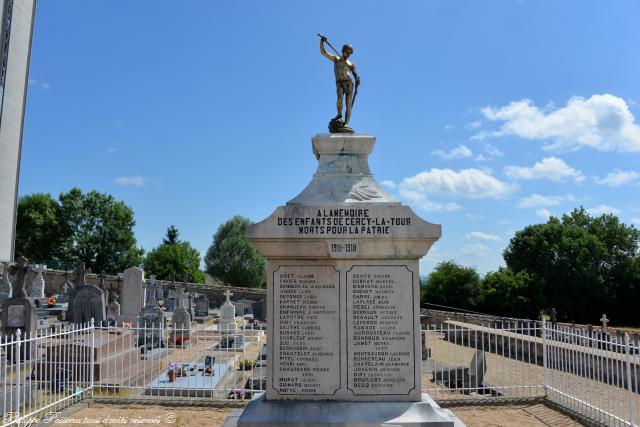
<point>181,340</point>
<point>172,370</point>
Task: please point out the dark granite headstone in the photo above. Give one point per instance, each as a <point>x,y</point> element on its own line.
<point>89,301</point>
<point>152,319</point>
<point>259,309</point>
<point>243,306</point>
<point>202,305</point>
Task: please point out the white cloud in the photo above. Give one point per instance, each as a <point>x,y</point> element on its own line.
<point>449,127</point>
<point>603,209</point>
<point>470,183</point>
<point>635,220</point>
<point>431,206</point>
<point>544,213</point>
<point>389,184</point>
<point>112,148</point>
<point>479,235</point>
<point>537,200</point>
<point>551,168</point>
<point>420,199</point>
<point>473,125</point>
<point>132,181</point>
<point>40,84</point>
<point>602,122</point>
<point>477,249</point>
<point>619,177</point>
<point>492,151</point>
<point>459,152</point>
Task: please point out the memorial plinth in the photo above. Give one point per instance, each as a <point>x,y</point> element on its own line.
<point>343,290</point>
<point>343,284</point>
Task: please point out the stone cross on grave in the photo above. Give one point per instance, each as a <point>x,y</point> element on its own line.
<point>605,323</point>
<point>151,292</point>
<point>20,270</point>
<point>5,285</point>
<point>37,287</point>
<point>80,275</point>
<point>228,294</point>
<point>102,276</point>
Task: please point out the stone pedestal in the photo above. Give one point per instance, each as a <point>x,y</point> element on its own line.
<point>343,287</point>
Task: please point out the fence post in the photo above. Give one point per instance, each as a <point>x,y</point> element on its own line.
<point>629,384</point>
<point>545,362</point>
<point>18,375</point>
<point>92,356</point>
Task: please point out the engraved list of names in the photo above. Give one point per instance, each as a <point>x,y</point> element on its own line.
<point>380,335</point>
<point>307,341</point>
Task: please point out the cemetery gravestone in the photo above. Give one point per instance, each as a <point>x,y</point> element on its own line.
<point>259,309</point>
<point>191,305</point>
<point>227,321</point>
<point>37,287</point>
<point>132,293</point>
<point>243,306</point>
<point>101,285</point>
<point>605,324</point>
<point>89,300</point>
<point>181,320</point>
<point>67,288</point>
<point>19,311</point>
<point>5,284</point>
<point>202,306</point>
<point>152,320</point>
<point>113,309</point>
<point>158,289</point>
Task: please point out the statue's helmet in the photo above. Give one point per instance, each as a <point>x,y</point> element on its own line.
<point>347,48</point>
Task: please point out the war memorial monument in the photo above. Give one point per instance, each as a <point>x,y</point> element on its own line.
<point>343,291</point>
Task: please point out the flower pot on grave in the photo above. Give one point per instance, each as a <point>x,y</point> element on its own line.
<point>172,376</point>
<point>181,340</point>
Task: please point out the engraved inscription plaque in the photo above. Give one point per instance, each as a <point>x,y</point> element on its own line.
<point>380,332</point>
<point>15,316</point>
<point>306,341</point>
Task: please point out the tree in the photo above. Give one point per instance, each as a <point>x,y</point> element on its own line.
<point>584,266</point>
<point>506,293</point>
<point>101,229</point>
<point>232,258</point>
<point>453,285</point>
<point>174,257</point>
<point>39,234</point>
<point>171,237</point>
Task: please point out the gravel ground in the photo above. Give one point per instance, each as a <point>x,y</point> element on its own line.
<point>103,415</point>
<point>535,415</point>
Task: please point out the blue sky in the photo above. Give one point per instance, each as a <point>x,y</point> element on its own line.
<point>489,116</point>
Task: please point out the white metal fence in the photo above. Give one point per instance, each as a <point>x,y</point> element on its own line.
<point>592,374</point>
<point>588,373</point>
<point>44,373</point>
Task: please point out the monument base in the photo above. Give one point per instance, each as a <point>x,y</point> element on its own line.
<point>275,413</point>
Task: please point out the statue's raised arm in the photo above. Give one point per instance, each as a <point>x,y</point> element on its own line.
<point>324,52</point>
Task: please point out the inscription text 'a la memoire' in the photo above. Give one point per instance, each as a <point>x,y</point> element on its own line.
<point>341,221</point>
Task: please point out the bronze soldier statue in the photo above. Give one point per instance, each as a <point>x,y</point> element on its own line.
<point>344,84</point>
